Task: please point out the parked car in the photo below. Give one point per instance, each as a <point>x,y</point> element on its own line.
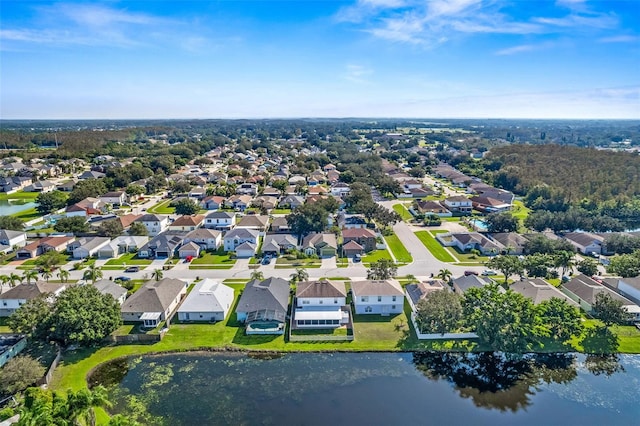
<point>488,272</point>
<point>266,260</point>
<point>467,273</point>
<point>123,279</point>
<point>132,269</point>
<point>357,258</point>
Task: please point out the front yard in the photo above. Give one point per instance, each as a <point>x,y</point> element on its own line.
<point>436,249</point>
<point>127,259</point>
<point>284,263</point>
<point>213,260</point>
<point>375,255</point>
<point>162,208</point>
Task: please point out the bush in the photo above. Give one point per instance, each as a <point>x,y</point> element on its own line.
<point>6,413</point>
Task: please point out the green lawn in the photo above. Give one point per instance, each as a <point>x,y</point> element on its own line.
<point>216,260</point>
<point>376,255</point>
<point>403,212</point>
<point>398,249</point>
<point>468,258</point>
<point>162,208</point>
<point>128,259</point>
<point>27,215</point>
<point>434,247</point>
<point>281,211</point>
<point>519,210</point>
<point>4,328</point>
<point>20,195</point>
<point>284,263</point>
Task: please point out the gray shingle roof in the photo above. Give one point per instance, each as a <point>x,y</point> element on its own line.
<point>321,288</point>
<point>154,296</point>
<point>270,294</point>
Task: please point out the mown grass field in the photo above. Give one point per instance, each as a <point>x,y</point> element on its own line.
<point>434,247</point>
<point>398,249</point>
<point>403,212</point>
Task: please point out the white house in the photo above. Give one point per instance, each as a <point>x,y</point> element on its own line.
<point>458,204</point>
<point>114,197</point>
<point>155,223</point>
<point>238,236</point>
<point>12,238</point>
<point>89,247</point>
<point>12,299</point>
<point>220,220</point>
<point>321,304</point>
<point>384,297</point>
<point>246,250</point>
<point>630,287</point>
<point>109,287</point>
<point>247,189</point>
<point>585,242</point>
<point>121,245</point>
<point>340,189</point>
<point>209,300</point>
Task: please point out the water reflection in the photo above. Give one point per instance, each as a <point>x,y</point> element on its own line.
<point>494,380</point>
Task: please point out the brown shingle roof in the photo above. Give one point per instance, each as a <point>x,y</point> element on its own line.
<point>322,288</point>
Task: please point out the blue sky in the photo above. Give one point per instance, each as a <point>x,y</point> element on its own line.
<point>361,58</point>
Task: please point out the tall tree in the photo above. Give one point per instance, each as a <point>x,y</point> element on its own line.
<point>12,223</point>
<point>138,229</point>
<point>82,315</point>
<point>299,275</point>
<point>51,201</point>
<point>19,373</point>
<point>63,274</point>
<point>86,188</point>
<point>74,224</point>
<point>186,207</point>
<point>561,319</point>
<point>503,320</point>
<point>382,269</point>
<point>508,265</point>
<point>92,274</point>
<point>29,275</point>
<point>440,312</point>
<point>31,318</point>
<point>157,274</point>
<point>110,228</point>
<point>609,310</point>
<point>501,222</point>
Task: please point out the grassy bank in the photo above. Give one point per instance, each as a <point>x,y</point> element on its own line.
<point>434,247</point>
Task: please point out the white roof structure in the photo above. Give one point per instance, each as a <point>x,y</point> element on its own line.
<point>334,314</point>
<point>208,295</point>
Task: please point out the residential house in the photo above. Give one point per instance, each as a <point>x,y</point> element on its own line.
<point>512,242</point>
<point>223,221</point>
<point>384,297</point>
<point>114,197</point>
<point>187,223</point>
<point>366,238</point>
<point>238,236</point>
<point>258,222</point>
<point>630,287</point>
<point>84,248</point>
<point>265,202</point>
<point>210,300</point>
<point>17,296</point>
<point>340,189</point>
<point>263,306</point>
<point>584,290</point>
<point>276,244</point>
<point>538,290</point>
<point>458,204</point>
<point>189,250</point>
<point>155,223</point>
<point>118,292</point>
<point>91,174</point>
<point>489,205</point>
<point>416,292</point>
<point>41,186</point>
<point>320,244</point>
<point>198,192</point>
<point>279,224</point>
<point>67,186</point>
<point>350,221</point>
<point>238,202</point>
<point>465,282</point>
<point>466,241</point>
<point>291,202</point>
<point>428,207</point>
<point>270,191</point>
<point>247,189</point>
<point>207,239</point>
<point>213,202</point>
<point>12,239</point>
<point>161,246</point>
<point>585,242</point>
<point>10,346</point>
<point>13,184</point>
<point>320,304</point>
<point>121,245</point>
<point>154,302</point>
<point>88,206</point>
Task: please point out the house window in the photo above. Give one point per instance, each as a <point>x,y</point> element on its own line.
<point>393,306</point>
<point>393,298</point>
<point>368,309</point>
<point>364,299</point>
<point>335,301</point>
<point>379,298</point>
<point>321,302</point>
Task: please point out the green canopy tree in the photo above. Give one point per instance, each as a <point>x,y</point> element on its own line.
<point>51,201</point>
<point>92,274</point>
<point>588,267</point>
<point>503,320</point>
<point>507,264</point>
<point>110,228</point>
<point>609,310</point>
<point>18,373</point>
<point>186,207</point>
<point>10,222</point>
<point>138,229</point>
<point>440,312</point>
<point>82,315</point>
<point>382,269</point>
<point>86,188</point>
<point>74,224</point>
<point>561,319</point>
<point>31,318</point>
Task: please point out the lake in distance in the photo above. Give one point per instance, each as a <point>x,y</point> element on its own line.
<point>374,389</point>
<point>9,207</point>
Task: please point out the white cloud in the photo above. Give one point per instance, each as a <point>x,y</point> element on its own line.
<point>357,74</point>
<point>620,39</point>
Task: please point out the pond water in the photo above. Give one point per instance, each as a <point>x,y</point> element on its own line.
<point>374,389</point>
<point>9,207</point>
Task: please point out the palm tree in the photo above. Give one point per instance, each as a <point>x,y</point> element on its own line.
<point>63,274</point>
<point>157,274</point>
<point>256,275</point>
<point>46,273</point>
<point>92,274</point>
<point>14,278</point>
<point>299,275</point>
<point>4,279</point>
<point>563,259</point>
<point>444,274</point>
<point>81,404</point>
<point>31,274</point>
